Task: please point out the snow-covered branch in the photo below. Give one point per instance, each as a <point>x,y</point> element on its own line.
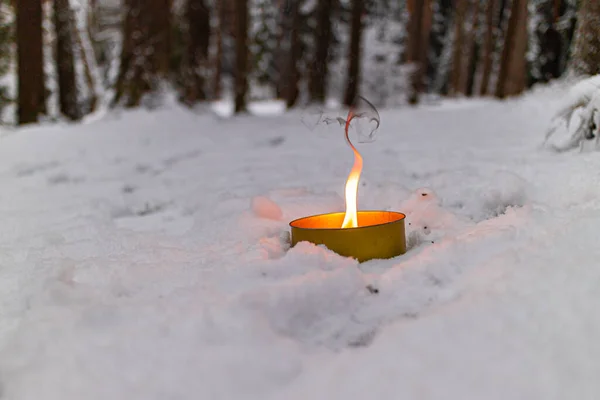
<point>580,114</point>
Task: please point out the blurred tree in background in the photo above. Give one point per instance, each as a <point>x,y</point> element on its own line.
<point>196,64</point>
<point>512,74</point>
<point>30,61</point>
<point>145,55</point>
<point>241,55</point>
<point>131,53</point>
<point>586,52</point>
<point>354,52</point>
<point>320,60</point>
<point>65,64</point>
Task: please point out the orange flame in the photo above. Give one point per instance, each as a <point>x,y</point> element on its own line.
<point>351,219</point>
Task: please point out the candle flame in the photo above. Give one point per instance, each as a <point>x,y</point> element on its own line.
<point>351,219</point>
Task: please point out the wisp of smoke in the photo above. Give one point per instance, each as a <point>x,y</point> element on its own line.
<point>362,119</point>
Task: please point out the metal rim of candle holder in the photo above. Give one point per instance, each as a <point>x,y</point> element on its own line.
<point>383,240</point>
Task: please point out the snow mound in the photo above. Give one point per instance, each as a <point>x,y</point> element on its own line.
<point>133,264</point>
<point>264,207</point>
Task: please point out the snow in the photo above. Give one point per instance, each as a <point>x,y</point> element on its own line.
<point>576,115</point>
<point>264,207</point>
<point>144,256</point>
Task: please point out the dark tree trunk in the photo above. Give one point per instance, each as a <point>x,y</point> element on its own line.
<point>558,43</point>
<point>517,75</point>
<point>67,88</point>
<point>280,57</point>
<point>472,71</point>
<point>489,46</point>
<point>161,37</point>
<point>556,6</point>
<point>511,77</point>
<point>198,22</point>
<point>319,69</point>
<point>548,33</point>
<point>30,57</point>
<point>458,54</point>
<point>241,50</point>
<point>358,8</point>
<point>418,45</point>
<point>501,12</point>
<point>146,49</point>
<point>130,83</point>
<point>292,75</point>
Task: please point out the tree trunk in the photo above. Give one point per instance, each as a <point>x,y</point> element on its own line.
<point>319,70</point>
<point>556,11</point>
<point>489,46</point>
<point>586,54</point>
<point>67,88</point>
<point>130,83</point>
<point>146,50</point>
<point>161,37</point>
<point>280,55</point>
<point>30,57</point>
<point>198,22</point>
<point>292,75</point>
<point>241,50</point>
<point>517,76</point>
<point>458,54</point>
<point>501,12</point>
<point>550,42</point>
<point>354,53</point>
<point>418,45</point>
<point>512,75</point>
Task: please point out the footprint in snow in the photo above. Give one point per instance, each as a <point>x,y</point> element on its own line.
<point>28,170</point>
<point>427,220</point>
<point>63,178</point>
<point>176,159</point>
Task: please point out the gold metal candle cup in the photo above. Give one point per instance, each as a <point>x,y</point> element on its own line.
<point>379,235</point>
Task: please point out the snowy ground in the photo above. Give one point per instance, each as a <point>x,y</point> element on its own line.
<point>132,265</point>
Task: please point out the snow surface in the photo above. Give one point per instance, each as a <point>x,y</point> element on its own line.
<point>144,256</point>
